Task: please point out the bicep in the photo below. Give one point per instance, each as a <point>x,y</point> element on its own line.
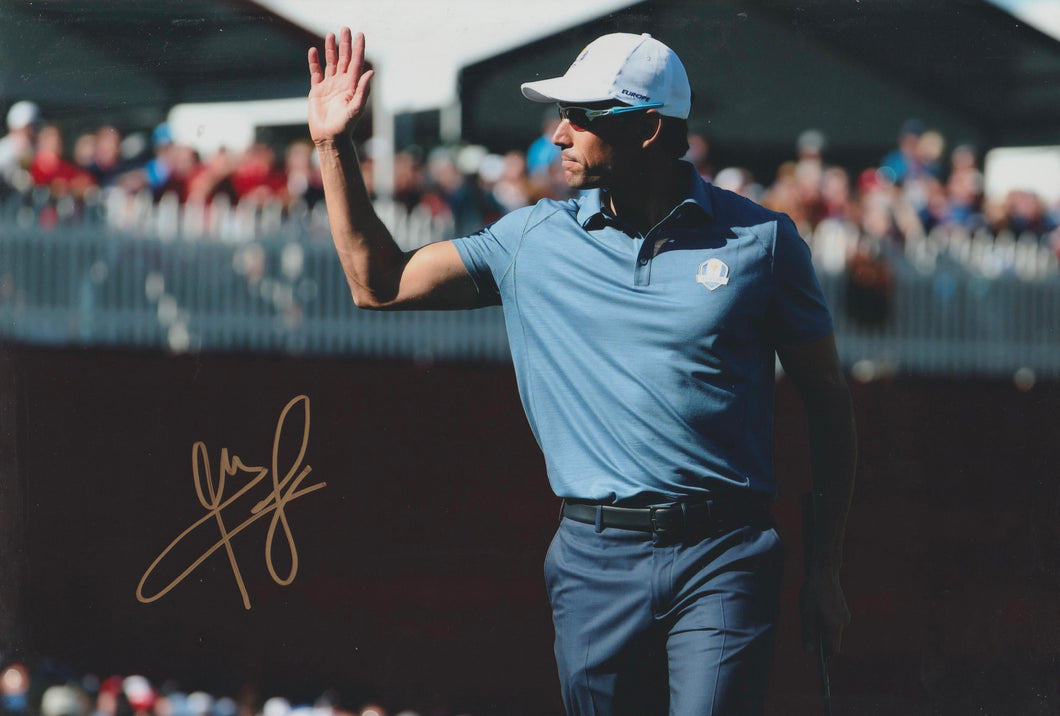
<point>434,277</point>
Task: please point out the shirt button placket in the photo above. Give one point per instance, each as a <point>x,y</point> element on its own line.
<point>642,271</point>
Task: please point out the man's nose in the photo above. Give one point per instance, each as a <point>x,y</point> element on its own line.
<point>561,137</point>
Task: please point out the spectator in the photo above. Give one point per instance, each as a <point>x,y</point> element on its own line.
<point>63,700</point>
<point>786,195</point>
<point>367,158</point>
<point>1026,214</point>
<point>408,179</point>
<point>929,149</point>
<point>211,179</point>
<point>739,180</point>
<point>141,695</point>
<point>936,211</point>
<point>542,152</point>
<point>107,162</point>
<point>699,155</point>
<point>836,201</point>
<point>964,159</point>
<point>256,177</point>
<point>455,189</point>
<point>16,147</point>
<point>924,171</point>
<point>111,699</point>
<point>550,183</point>
<point>958,202</point>
<point>809,173</point>
<point>964,194</point>
<point>50,169</point>
<point>834,238</point>
<point>473,205</point>
<point>512,189</point>
<point>302,174</point>
<point>810,145</point>
<point>183,163</point>
<point>84,151</point>
<point>964,188</point>
<point>903,161</point>
<point>158,169</point>
<point>886,218</point>
<point>155,174</point>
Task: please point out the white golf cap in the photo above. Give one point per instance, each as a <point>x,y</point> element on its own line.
<point>635,69</point>
<point>22,114</point>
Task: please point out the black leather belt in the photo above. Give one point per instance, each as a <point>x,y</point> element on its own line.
<point>713,515</point>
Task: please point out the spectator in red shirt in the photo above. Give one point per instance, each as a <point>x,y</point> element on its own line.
<point>255,176</point>
<point>48,167</point>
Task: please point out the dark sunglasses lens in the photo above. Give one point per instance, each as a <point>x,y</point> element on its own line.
<point>575,116</point>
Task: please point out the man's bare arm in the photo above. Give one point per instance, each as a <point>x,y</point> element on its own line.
<point>815,370</point>
<point>380,275</point>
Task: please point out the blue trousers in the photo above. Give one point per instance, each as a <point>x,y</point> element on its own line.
<point>646,626</point>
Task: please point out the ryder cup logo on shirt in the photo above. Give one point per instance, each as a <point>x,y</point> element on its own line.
<point>713,273</point>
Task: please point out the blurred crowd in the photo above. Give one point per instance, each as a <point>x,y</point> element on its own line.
<point>918,190</point>
<point>920,187</point>
<point>34,157</point>
<point>51,689</point>
<point>917,187</point>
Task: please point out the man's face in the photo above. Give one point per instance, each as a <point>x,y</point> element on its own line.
<point>593,152</point>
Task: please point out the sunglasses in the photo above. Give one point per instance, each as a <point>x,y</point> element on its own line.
<point>581,117</point>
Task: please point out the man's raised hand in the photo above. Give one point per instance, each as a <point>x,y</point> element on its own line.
<point>338,92</point>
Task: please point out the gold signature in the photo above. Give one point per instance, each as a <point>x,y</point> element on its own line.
<point>284,491</point>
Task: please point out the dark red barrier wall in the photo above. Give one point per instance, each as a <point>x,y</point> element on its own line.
<point>419,563</point>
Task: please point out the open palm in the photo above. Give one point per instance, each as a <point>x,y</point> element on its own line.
<point>338,92</point>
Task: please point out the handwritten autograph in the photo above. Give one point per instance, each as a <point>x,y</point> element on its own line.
<point>284,491</point>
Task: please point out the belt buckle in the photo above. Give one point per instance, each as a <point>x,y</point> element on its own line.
<point>656,528</point>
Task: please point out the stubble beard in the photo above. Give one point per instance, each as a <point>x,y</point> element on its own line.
<point>581,179</point>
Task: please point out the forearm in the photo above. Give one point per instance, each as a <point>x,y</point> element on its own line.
<point>833,459</point>
<point>370,258</point>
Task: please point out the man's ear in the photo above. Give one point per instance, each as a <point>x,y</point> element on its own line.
<point>650,128</point>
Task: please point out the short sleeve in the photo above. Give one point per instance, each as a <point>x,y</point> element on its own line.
<point>488,254</point>
<point>800,312</point>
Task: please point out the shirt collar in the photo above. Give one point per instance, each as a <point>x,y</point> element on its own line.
<point>590,206</point>
<point>591,209</point>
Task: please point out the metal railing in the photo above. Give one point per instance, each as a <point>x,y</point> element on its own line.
<point>87,285</point>
<point>951,323</point>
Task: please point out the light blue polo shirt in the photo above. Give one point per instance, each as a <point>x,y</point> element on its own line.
<point>646,363</point>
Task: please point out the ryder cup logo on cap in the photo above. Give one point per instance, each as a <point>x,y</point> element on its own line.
<point>634,69</point>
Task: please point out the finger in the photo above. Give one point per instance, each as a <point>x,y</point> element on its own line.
<point>345,50</point>
<point>330,55</point>
<point>357,54</point>
<point>315,74</point>
<point>364,86</point>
